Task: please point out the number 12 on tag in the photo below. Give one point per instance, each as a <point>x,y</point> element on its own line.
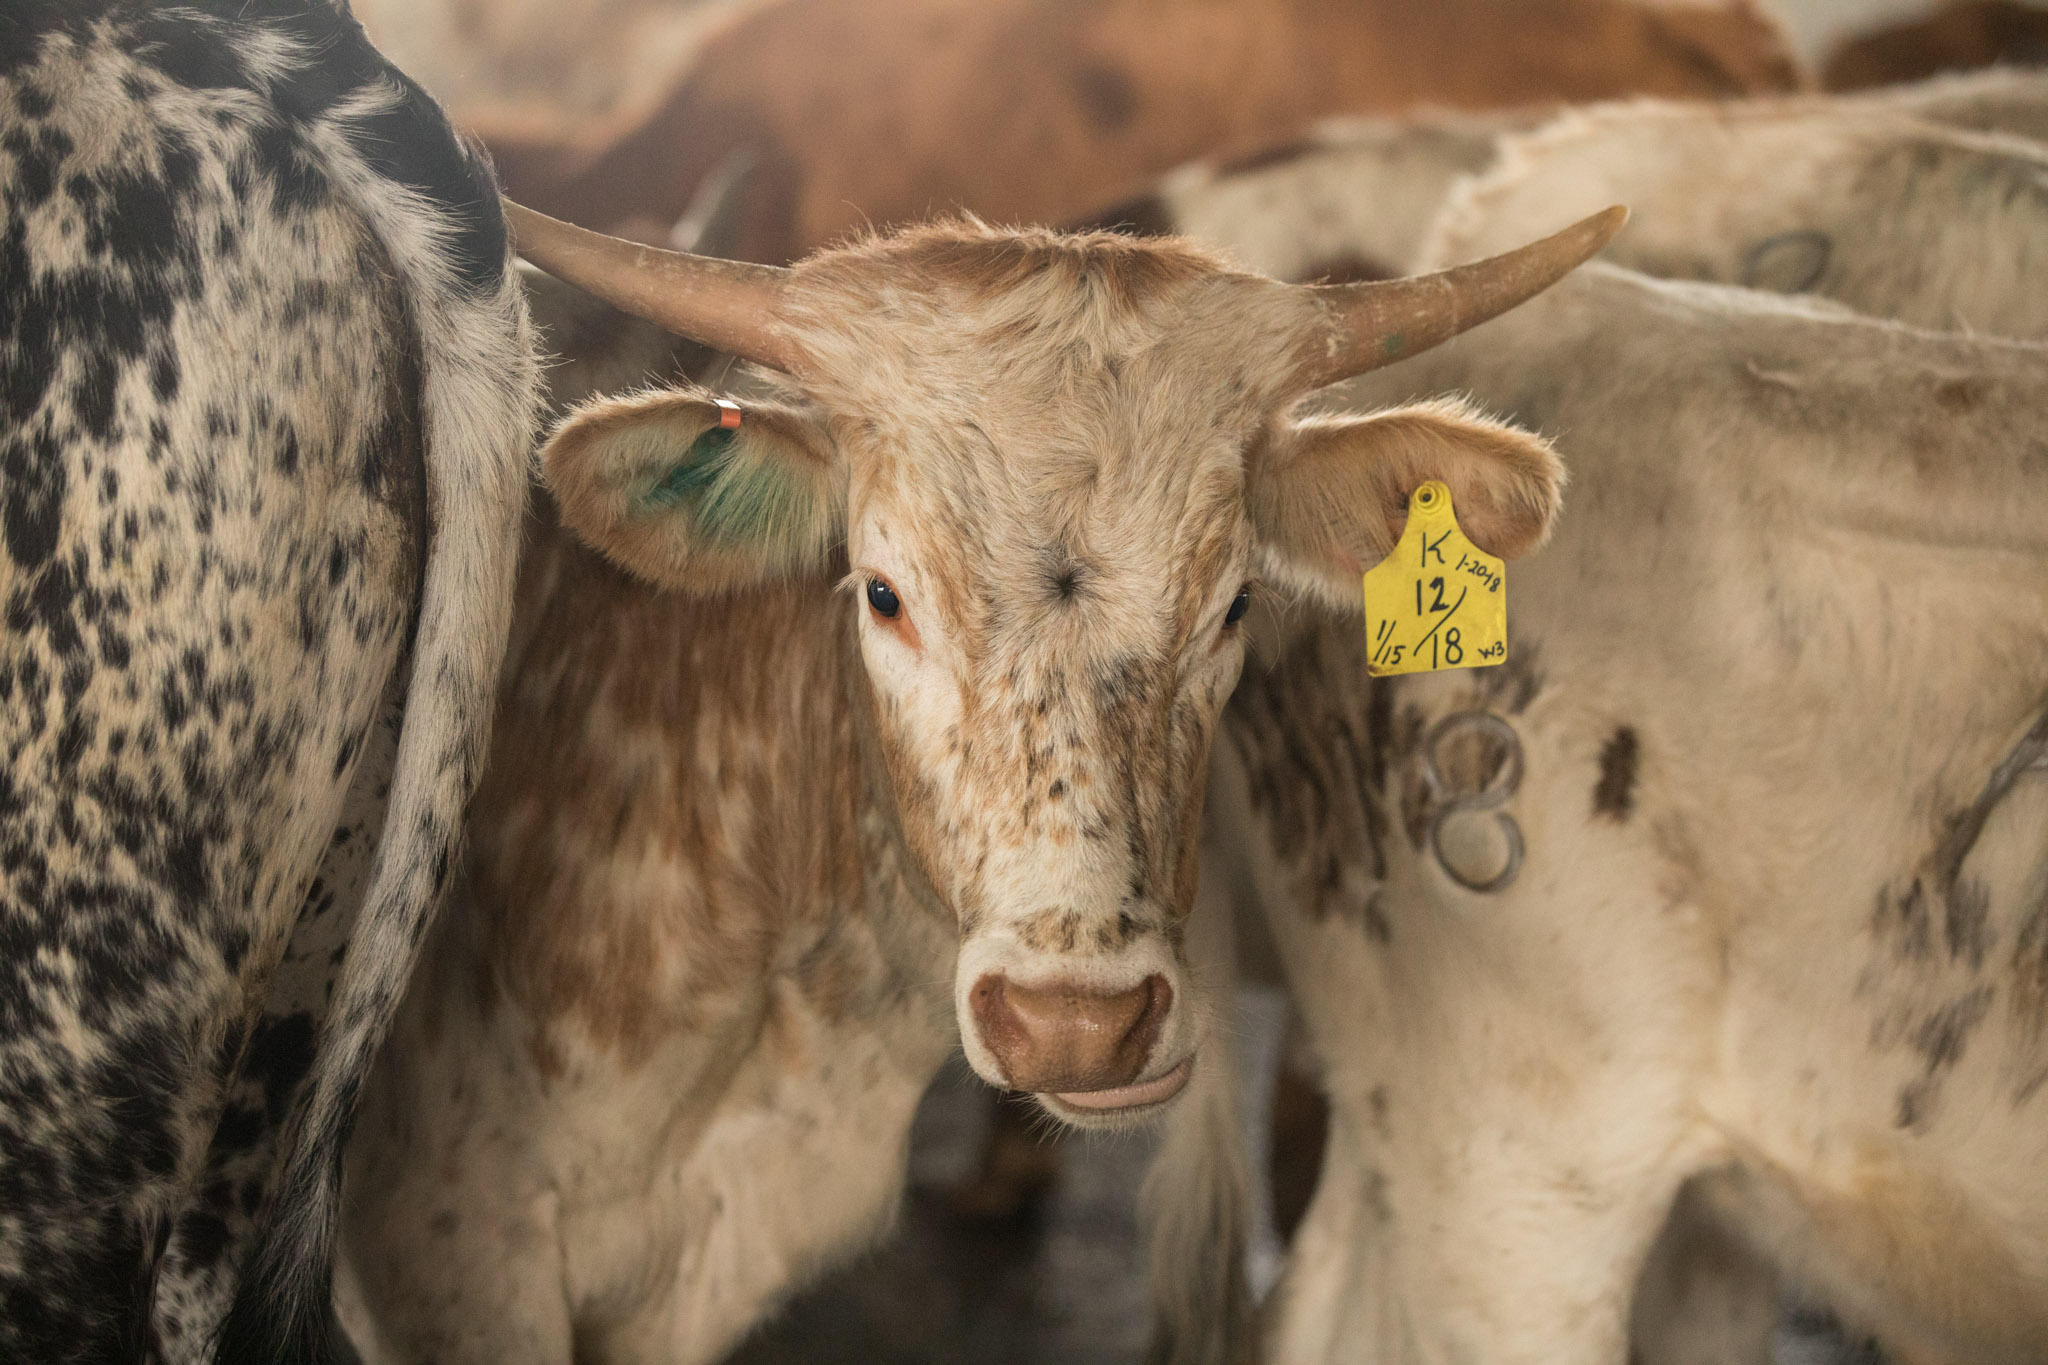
<point>1438,601</point>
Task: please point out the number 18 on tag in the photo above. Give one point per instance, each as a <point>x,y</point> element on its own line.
<point>1438,601</point>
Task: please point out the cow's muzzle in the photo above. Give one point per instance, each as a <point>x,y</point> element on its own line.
<point>1083,1047</point>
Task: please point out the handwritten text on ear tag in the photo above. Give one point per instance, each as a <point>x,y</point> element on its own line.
<point>1438,601</point>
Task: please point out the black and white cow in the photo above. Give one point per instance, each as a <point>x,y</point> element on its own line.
<point>265,395</point>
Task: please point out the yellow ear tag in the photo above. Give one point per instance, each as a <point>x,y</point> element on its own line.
<point>1438,601</point>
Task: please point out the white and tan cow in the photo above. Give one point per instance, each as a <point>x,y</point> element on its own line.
<point>909,728</point>
<point>1812,194</point>
<point>1929,224</point>
<point>2002,100</point>
<point>1735,870</point>
<point>1287,215</point>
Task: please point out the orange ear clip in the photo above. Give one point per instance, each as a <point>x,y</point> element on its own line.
<point>728,413</point>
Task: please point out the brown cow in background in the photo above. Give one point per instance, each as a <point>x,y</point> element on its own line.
<point>837,114</point>
<point>1977,33</point>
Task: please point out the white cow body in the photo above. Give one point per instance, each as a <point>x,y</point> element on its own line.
<point>1822,195</point>
<point>1848,200</point>
<point>1781,910</point>
<point>1860,167</point>
<point>2010,100</point>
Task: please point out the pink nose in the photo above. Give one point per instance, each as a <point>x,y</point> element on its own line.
<point>1061,1039</point>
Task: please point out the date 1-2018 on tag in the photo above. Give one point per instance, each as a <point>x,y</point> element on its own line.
<point>1438,601</point>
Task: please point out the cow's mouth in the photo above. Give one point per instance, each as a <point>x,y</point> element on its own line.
<point>1124,1098</point>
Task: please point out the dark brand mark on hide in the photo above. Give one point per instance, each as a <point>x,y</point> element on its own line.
<point>1939,1039</point>
<point>1614,795</point>
<point>1939,920</point>
<point>1905,912</point>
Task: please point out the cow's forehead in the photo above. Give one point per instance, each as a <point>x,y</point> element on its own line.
<point>1029,334</point>
<point>1050,432</point>
<point>1088,527</point>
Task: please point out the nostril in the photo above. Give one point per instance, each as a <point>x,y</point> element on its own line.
<point>1144,1030</point>
<point>1002,1032</point>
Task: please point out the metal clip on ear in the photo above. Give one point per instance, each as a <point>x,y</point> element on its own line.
<point>728,413</point>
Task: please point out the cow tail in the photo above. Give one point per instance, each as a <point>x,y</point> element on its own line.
<point>1195,1207</point>
<point>443,229</point>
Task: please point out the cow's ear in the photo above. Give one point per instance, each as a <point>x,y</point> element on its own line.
<point>1329,495</point>
<point>664,484</point>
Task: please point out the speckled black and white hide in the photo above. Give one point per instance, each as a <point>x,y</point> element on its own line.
<point>221,1219</point>
<point>265,393</point>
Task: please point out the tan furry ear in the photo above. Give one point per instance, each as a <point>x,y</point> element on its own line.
<point>1329,495</point>
<point>656,483</point>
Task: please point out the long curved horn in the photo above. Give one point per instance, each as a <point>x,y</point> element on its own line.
<point>734,306</point>
<point>1381,321</point>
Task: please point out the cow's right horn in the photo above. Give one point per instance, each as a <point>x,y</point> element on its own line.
<point>1379,322</point>
<point>733,306</point>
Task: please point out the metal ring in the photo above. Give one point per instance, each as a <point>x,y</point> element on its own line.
<point>1496,793</point>
<point>1498,789</point>
<point>1501,880</point>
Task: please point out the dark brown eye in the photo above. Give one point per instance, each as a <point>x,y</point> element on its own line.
<point>1239,605</point>
<point>883,598</point>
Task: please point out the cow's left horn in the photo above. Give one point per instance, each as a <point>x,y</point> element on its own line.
<point>733,306</point>
<point>1381,321</point>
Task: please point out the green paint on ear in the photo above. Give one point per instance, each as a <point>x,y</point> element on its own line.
<point>700,468</point>
<point>1395,344</point>
<point>731,498</point>
<point>754,504</point>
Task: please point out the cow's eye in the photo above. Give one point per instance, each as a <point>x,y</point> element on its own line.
<point>1239,605</point>
<point>883,598</point>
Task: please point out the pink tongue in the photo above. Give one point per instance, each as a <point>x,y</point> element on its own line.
<point>1129,1096</point>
